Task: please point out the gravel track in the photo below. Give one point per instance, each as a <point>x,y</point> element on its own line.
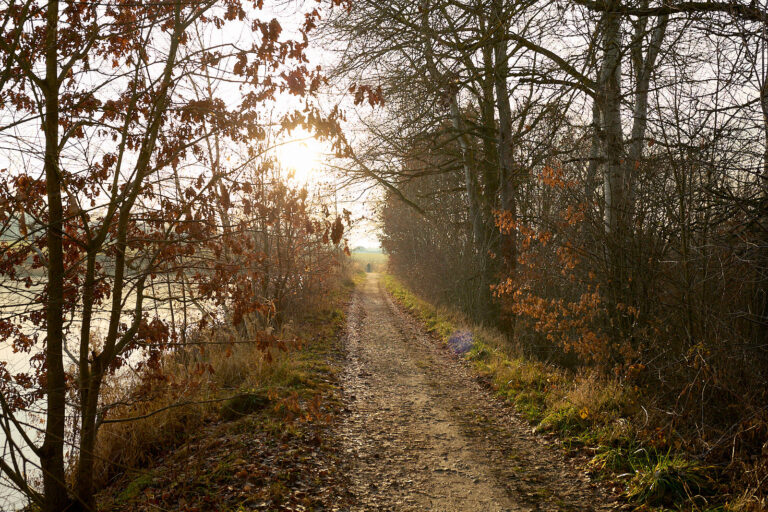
<point>421,433</point>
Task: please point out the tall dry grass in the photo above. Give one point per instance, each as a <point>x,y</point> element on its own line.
<point>159,409</point>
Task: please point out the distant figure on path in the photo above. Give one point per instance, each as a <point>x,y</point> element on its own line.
<point>368,268</point>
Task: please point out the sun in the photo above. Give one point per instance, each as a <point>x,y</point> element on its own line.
<point>301,157</point>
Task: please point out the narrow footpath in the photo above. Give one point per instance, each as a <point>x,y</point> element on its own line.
<point>421,433</point>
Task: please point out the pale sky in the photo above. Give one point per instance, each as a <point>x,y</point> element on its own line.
<point>308,157</point>
<point>304,161</point>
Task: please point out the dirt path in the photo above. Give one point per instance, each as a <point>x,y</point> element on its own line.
<point>422,434</point>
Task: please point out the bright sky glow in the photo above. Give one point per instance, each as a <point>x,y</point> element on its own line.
<point>303,161</point>
<point>301,157</point>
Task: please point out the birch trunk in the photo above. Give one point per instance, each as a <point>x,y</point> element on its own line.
<point>609,101</point>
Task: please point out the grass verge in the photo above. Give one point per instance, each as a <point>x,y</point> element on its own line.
<point>600,416</point>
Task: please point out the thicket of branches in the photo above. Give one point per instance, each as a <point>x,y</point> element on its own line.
<point>593,177</point>
<point>138,203</point>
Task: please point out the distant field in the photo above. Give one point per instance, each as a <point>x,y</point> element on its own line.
<point>377,260</point>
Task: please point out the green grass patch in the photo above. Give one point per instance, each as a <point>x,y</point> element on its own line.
<point>668,480</point>
<point>434,322</point>
<point>622,459</point>
<point>135,487</point>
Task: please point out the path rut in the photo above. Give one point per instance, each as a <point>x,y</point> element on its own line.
<point>422,434</point>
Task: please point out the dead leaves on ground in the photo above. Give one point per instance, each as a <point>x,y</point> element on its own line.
<point>261,462</point>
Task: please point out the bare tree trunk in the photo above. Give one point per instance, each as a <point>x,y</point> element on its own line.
<point>761,295</point>
<point>89,383</point>
<point>488,118</point>
<point>609,101</point>
<point>508,178</point>
<point>508,181</point>
<point>470,182</point>
<point>52,452</point>
<point>644,67</point>
<point>490,191</point>
<point>615,206</point>
<point>764,107</point>
<point>594,154</point>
